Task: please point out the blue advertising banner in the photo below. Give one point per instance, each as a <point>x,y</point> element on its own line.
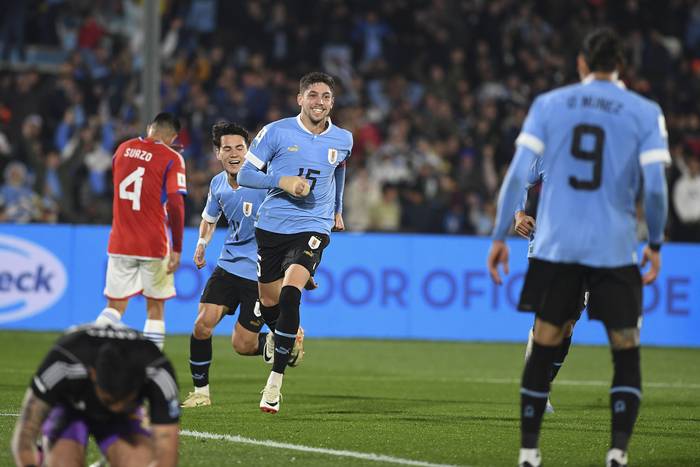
<point>371,285</point>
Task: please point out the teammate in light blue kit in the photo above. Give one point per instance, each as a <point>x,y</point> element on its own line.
<point>597,141</point>
<point>304,158</point>
<point>233,283</point>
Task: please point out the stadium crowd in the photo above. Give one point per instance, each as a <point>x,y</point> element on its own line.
<point>434,92</point>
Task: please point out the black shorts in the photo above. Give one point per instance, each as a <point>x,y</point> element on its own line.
<point>276,252</point>
<point>229,290</point>
<point>554,291</point>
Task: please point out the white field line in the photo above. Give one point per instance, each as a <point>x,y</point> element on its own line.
<point>367,456</point>
<point>298,447</point>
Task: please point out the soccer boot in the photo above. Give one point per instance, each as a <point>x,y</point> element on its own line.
<point>297,353</point>
<point>616,458</point>
<point>196,399</point>
<point>268,353</point>
<point>529,458</point>
<point>271,398</point>
<point>549,407</point>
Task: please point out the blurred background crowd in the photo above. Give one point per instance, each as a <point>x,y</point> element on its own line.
<point>434,91</point>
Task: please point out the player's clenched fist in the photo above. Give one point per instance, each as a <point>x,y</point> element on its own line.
<point>295,186</point>
<point>524,224</point>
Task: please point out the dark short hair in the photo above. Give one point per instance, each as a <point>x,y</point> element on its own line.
<point>602,50</point>
<point>314,77</point>
<point>118,373</point>
<point>227,128</point>
<point>167,121</point>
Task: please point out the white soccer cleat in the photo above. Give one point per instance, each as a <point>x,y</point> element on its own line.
<point>196,399</point>
<point>268,353</point>
<point>529,458</point>
<point>549,408</point>
<point>616,458</point>
<point>271,398</point>
<point>297,353</point>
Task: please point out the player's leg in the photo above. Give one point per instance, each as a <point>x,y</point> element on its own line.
<point>269,301</point>
<point>65,436</point>
<point>550,289</point>
<point>208,316</point>
<point>616,299</point>
<point>158,286</point>
<point>123,281</point>
<point>246,338</point>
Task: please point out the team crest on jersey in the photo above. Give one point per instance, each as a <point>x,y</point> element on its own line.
<point>247,208</point>
<point>332,155</point>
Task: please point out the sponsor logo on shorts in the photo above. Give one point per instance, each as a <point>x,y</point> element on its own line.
<point>308,253</point>
<point>247,208</point>
<point>32,279</point>
<point>314,242</point>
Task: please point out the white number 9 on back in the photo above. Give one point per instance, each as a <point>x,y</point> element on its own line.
<point>135,178</point>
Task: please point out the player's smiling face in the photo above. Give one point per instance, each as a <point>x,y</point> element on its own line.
<point>232,152</point>
<point>316,102</point>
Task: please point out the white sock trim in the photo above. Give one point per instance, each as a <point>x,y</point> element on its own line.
<point>202,390</point>
<point>275,378</point>
<point>108,316</point>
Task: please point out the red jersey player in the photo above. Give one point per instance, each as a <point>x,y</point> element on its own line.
<point>149,181</point>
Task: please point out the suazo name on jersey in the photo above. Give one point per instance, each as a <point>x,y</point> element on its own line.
<point>288,148</point>
<point>240,207</point>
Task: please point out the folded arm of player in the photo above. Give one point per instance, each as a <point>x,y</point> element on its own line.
<point>339,189</point>
<point>166,440</point>
<point>32,414</point>
<point>655,211</point>
<point>251,176</point>
<point>176,217</point>
<point>511,192</point>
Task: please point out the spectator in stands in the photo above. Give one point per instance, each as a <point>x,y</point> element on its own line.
<point>19,203</point>
<point>686,199</point>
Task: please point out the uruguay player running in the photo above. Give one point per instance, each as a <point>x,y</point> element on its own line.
<point>305,159</point>
<point>233,283</point>
<point>597,142</point>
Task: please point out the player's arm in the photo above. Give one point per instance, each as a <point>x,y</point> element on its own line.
<point>252,173</point>
<point>655,212</point>
<point>161,391</point>
<point>508,198</point>
<point>27,429</point>
<point>339,189</point>
<point>206,232</point>
<point>165,438</point>
<point>176,188</point>
<point>653,157</point>
<point>210,216</point>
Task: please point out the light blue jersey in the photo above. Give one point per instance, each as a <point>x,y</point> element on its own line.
<point>595,139</point>
<point>239,207</point>
<point>534,176</point>
<point>286,147</point>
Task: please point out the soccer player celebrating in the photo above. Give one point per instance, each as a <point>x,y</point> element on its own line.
<point>304,157</point>
<point>597,142</point>
<point>147,174</point>
<point>233,283</point>
<point>94,381</point>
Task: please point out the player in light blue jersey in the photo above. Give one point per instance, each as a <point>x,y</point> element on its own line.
<point>304,161</point>
<point>233,284</point>
<point>597,142</point>
<point>525,227</point>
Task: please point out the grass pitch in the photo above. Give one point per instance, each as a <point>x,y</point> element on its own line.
<point>429,402</point>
